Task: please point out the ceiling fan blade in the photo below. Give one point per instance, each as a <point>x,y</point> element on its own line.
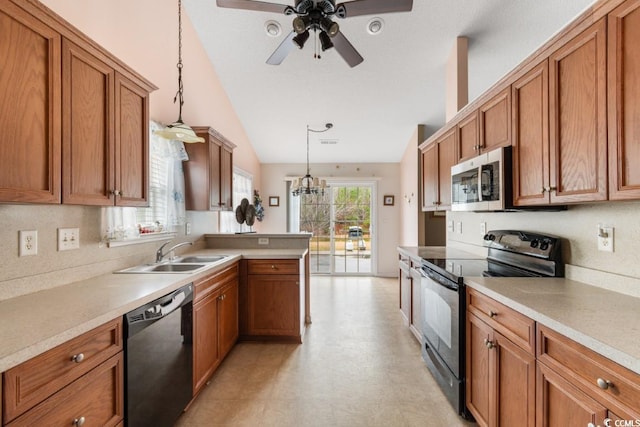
<point>283,50</point>
<point>346,50</point>
<point>259,6</point>
<point>373,7</point>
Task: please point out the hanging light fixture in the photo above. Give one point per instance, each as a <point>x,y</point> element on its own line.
<point>179,130</point>
<point>308,184</point>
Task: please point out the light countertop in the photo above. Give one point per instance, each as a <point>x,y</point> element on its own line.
<point>34,323</point>
<point>606,322</point>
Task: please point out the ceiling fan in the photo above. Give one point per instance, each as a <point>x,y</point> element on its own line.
<point>317,15</point>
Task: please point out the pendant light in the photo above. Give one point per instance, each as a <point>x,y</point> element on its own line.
<point>308,184</point>
<point>179,130</point>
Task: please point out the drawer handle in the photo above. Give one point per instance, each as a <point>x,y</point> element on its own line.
<point>78,421</point>
<point>492,314</point>
<point>221,297</point>
<point>604,384</point>
<point>273,267</point>
<point>490,344</point>
<point>78,358</point>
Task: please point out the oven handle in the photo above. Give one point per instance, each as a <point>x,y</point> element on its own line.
<point>442,281</point>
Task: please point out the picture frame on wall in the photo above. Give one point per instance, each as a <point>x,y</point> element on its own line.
<point>274,200</point>
<point>388,200</point>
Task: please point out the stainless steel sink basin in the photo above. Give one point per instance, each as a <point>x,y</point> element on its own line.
<point>163,268</point>
<point>185,264</point>
<point>201,258</point>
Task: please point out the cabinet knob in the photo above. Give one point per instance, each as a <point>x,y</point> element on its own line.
<point>78,421</point>
<point>115,192</point>
<point>550,189</point>
<point>489,344</point>
<point>604,384</point>
<point>273,267</point>
<point>492,314</point>
<point>78,357</point>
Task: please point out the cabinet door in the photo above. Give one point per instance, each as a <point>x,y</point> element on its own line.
<point>429,157</point>
<point>215,157</point>
<point>446,159</point>
<point>87,132</point>
<point>131,143</point>
<point>479,382</point>
<point>515,384</point>
<point>560,404</point>
<point>228,317</point>
<point>226,179</point>
<point>495,122</point>
<point>273,305</point>
<point>531,137</point>
<point>468,137</point>
<point>624,108</point>
<point>30,139</point>
<point>578,114</point>
<point>205,333</point>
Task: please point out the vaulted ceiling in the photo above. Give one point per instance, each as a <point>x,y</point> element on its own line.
<point>376,105</point>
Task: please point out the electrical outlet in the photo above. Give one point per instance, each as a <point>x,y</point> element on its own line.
<point>483,228</point>
<point>459,227</point>
<point>450,225</point>
<point>605,238</point>
<point>263,240</point>
<point>187,228</point>
<point>28,242</point>
<point>68,238</point>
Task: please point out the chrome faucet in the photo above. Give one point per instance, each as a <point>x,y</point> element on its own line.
<point>160,255</point>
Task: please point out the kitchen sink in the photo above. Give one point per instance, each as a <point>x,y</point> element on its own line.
<point>185,264</point>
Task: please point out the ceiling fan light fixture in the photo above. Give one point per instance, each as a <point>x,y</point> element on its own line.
<point>332,28</point>
<point>272,28</point>
<point>301,39</point>
<point>325,41</point>
<point>375,26</point>
<point>299,26</point>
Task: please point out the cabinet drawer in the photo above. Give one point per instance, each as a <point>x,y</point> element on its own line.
<point>587,368</point>
<point>33,381</point>
<point>513,325</point>
<point>212,283</point>
<point>96,397</point>
<point>273,266</point>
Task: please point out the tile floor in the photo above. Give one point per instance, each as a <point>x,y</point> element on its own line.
<point>358,366</point>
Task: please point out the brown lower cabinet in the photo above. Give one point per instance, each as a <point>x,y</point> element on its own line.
<point>562,384</point>
<point>80,381</point>
<point>271,300</point>
<point>215,323</point>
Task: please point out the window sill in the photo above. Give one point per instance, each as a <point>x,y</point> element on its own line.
<point>143,238</point>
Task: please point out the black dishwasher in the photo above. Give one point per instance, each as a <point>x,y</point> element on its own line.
<point>158,372</point>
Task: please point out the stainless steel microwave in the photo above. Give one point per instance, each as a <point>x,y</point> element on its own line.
<point>483,183</point>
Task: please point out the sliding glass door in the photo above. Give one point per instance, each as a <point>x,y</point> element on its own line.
<point>340,221</point>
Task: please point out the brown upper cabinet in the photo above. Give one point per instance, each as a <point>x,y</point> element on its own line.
<point>495,122</point>
<point>30,140</point>
<point>78,118</point>
<point>105,140</point>
<point>530,112</point>
<point>468,135</point>
<point>208,174</point>
<point>578,118</point>
<point>437,159</point>
<point>624,105</point>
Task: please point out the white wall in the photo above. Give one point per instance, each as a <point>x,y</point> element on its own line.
<point>387,176</point>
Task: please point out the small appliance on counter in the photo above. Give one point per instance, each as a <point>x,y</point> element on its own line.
<point>510,254</point>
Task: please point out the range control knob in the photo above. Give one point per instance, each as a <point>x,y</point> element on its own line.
<point>544,245</point>
<point>489,237</point>
<point>534,243</point>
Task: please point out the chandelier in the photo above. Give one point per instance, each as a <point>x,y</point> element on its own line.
<point>308,184</point>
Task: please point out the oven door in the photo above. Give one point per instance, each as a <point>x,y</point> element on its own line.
<point>441,318</point>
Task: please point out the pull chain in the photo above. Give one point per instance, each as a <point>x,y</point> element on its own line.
<point>315,44</point>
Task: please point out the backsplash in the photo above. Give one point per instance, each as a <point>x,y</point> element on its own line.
<point>51,268</point>
<point>578,226</point>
